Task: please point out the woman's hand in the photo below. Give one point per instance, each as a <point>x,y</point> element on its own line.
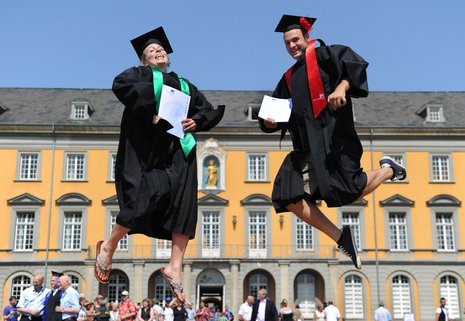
<point>188,125</point>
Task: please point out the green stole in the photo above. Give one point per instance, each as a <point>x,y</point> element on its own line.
<point>188,141</point>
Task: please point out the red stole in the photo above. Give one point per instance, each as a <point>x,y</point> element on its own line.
<point>315,85</point>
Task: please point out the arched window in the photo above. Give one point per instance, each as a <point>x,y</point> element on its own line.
<point>449,290</point>
<point>401,298</point>
<point>162,289</point>
<point>20,283</point>
<point>305,293</point>
<point>353,297</point>
<point>74,282</point>
<point>257,281</point>
<point>118,283</point>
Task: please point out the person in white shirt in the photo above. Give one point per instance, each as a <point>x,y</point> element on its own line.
<point>441,313</point>
<point>168,313</point>
<point>157,310</point>
<point>331,312</point>
<point>382,314</point>
<point>245,310</point>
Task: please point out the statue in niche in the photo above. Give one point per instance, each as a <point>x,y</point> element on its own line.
<point>212,174</point>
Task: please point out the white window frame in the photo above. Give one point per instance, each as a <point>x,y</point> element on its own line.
<point>356,226</point>
<point>258,177</point>
<point>19,175</point>
<point>29,229</point>
<point>116,286</point>
<point>401,296</point>
<point>211,245</point>
<point>307,304</point>
<point>76,109</point>
<point>257,286</point>
<point>111,167</point>
<point>161,287</point>
<point>250,108</point>
<point>354,309</point>
<point>66,173</point>
<point>446,160</point>
<point>75,281</point>
<point>308,236</point>
<point>398,158</point>
<point>257,250</point>
<point>450,291</point>
<point>17,289</point>
<point>162,248</point>
<point>435,113</point>
<point>396,227</point>
<point>443,226</point>
<point>123,244</point>
<point>73,236</point>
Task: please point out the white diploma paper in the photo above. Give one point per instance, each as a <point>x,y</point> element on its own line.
<point>174,105</point>
<point>275,108</point>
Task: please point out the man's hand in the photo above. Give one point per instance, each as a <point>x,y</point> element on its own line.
<point>188,125</point>
<point>59,309</point>
<point>338,98</point>
<point>33,312</point>
<point>270,123</point>
<point>156,118</point>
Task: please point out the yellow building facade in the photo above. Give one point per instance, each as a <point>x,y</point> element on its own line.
<point>57,200</point>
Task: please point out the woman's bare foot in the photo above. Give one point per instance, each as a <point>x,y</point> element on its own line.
<point>103,262</point>
<point>174,279</point>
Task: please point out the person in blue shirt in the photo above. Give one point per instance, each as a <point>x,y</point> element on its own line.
<point>69,302</point>
<point>32,300</point>
<point>9,312</point>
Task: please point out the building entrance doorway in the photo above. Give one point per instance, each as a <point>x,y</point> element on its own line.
<point>210,289</point>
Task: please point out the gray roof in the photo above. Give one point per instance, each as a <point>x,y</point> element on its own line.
<point>42,106</point>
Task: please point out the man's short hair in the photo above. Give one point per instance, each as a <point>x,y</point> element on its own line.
<point>12,298</point>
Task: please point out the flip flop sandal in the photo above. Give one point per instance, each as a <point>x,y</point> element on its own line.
<point>175,286</point>
<point>98,267</point>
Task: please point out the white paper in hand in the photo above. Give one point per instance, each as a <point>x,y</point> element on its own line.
<point>275,108</point>
<point>174,105</point>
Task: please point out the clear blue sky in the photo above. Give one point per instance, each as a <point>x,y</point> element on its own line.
<point>412,45</point>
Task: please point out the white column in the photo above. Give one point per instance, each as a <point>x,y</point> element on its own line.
<point>187,279</point>
<point>285,291</point>
<point>235,294</point>
<point>137,294</point>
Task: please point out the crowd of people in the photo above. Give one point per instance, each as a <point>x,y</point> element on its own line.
<point>63,303</point>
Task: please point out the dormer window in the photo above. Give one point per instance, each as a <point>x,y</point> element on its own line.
<point>251,112</point>
<point>81,110</point>
<point>434,114</point>
<point>3,109</point>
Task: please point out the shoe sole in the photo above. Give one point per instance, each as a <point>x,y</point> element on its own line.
<point>359,261</point>
<point>397,164</point>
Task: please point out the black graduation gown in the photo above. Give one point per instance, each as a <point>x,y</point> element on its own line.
<point>334,147</point>
<point>51,302</point>
<point>155,184</point>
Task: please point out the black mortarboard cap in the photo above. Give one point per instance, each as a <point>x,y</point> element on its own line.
<point>57,274</point>
<point>157,35</point>
<point>289,22</point>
